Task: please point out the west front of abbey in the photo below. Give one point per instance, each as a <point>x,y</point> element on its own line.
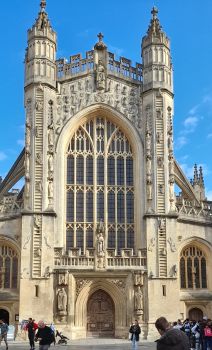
<point>97,236</point>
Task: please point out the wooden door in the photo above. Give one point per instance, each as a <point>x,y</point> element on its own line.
<point>195,314</point>
<point>100,315</point>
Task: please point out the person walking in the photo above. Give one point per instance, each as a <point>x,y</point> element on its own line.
<point>171,338</point>
<point>44,336</point>
<point>135,330</point>
<point>31,328</point>
<point>3,332</point>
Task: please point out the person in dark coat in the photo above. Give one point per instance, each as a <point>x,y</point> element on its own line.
<point>171,338</point>
<point>135,330</point>
<point>44,336</point>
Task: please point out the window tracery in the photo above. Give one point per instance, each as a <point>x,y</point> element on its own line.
<point>193,268</point>
<point>100,186</point>
<point>8,267</point>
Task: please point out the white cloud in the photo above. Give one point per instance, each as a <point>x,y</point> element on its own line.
<point>21,142</point>
<point>180,142</point>
<point>2,155</point>
<point>191,122</point>
<point>194,109</point>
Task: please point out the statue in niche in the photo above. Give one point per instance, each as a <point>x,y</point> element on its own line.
<point>38,158</point>
<point>159,137</point>
<point>100,76</point>
<point>62,300</point>
<point>50,189</point>
<point>100,239</point>
<point>148,141</point>
<point>171,165</point>
<point>149,189</point>
<point>139,303</point>
<point>50,163</point>
<point>160,161</point>
<point>38,106</point>
<point>161,223</point>
<point>26,186</point>
<point>139,279</point>
<point>27,164</point>
<point>27,138</point>
<point>148,166</point>
<point>170,144</point>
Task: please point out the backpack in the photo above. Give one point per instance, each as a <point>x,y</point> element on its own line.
<point>208,332</point>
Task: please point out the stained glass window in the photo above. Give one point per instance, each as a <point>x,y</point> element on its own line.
<point>100,186</point>
<point>193,268</point>
<point>9,267</point>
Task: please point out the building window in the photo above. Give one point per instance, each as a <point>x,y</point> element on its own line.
<point>99,186</point>
<point>9,267</point>
<point>193,268</point>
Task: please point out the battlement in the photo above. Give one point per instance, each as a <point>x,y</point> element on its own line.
<point>80,66</point>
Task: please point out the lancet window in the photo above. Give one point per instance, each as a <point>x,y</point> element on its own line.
<point>100,186</point>
<point>193,268</point>
<point>8,267</point>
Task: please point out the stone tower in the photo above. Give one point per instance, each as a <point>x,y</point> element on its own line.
<point>38,215</point>
<point>159,158</point>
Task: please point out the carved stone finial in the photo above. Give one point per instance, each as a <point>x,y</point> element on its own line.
<point>100,45</point>
<point>43,5</point>
<point>154,12</point>
<point>154,27</point>
<point>100,36</point>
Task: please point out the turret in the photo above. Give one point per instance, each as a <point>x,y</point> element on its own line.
<point>198,183</point>
<point>40,55</point>
<point>157,67</point>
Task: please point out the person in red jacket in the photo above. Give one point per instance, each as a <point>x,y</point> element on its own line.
<point>31,328</point>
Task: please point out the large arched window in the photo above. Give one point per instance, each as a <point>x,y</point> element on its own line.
<point>8,267</point>
<point>100,186</point>
<point>193,268</point>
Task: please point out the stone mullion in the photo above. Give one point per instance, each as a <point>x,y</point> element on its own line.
<point>84,198</point>
<point>105,183</point>
<point>94,177</point>
<point>75,186</point>
<point>116,194</point>
<point>125,198</point>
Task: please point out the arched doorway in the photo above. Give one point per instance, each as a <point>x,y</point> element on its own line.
<point>4,315</point>
<point>100,315</point>
<point>195,314</point>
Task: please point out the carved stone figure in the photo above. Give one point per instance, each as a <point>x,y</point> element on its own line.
<point>38,106</point>
<point>50,164</point>
<point>172,244</point>
<point>149,190</point>
<point>100,244</point>
<point>27,138</point>
<point>148,141</point>
<point>139,304</point>
<point>151,244</point>
<point>27,164</point>
<point>100,76</point>
<point>51,136</point>
<point>62,300</point>
<point>50,189</point>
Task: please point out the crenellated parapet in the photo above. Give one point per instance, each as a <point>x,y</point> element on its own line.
<point>78,66</point>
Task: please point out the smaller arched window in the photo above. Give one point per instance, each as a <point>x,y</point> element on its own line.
<point>8,267</point>
<point>193,268</point>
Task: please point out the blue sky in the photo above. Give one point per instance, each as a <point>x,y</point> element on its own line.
<point>187,23</point>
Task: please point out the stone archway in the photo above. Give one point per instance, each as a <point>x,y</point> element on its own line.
<point>4,315</point>
<point>100,315</point>
<point>195,314</point>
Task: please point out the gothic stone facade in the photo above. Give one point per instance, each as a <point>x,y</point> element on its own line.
<point>98,237</point>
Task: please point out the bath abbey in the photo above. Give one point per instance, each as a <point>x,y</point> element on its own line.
<point>98,236</point>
